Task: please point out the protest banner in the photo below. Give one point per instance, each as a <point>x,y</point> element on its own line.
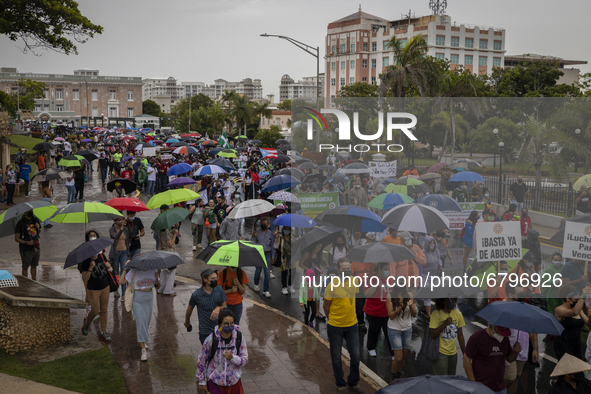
<point>383,169</point>
<point>577,241</point>
<point>149,152</point>
<point>498,241</point>
<point>166,156</point>
<point>314,203</point>
<point>458,219</point>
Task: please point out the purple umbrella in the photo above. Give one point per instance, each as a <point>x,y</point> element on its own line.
<point>182,181</point>
<point>436,167</point>
<point>86,140</point>
<point>127,158</point>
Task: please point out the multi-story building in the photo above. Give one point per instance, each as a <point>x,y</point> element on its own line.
<point>571,75</point>
<point>357,50</point>
<point>278,118</point>
<point>289,89</point>
<point>153,87</point>
<point>81,96</point>
<point>252,88</point>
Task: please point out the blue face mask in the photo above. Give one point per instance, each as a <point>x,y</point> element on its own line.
<point>228,329</point>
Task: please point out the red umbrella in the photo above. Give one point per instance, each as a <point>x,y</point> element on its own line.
<point>436,167</point>
<point>127,204</point>
<point>148,138</point>
<point>128,137</point>
<point>195,135</point>
<point>158,142</point>
<point>185,135</point>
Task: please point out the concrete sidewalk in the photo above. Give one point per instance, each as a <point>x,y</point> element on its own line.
<point>13,385</point>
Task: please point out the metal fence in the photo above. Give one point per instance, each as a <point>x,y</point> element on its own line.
<point>553,199</point>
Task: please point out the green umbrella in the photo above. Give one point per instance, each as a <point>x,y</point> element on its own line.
<point>407,186</point>
<point>10,217</point>
<point>389,200</point>
<point>234,254</point>
<point>73,161</point>
<point>85,212</point>
<point>231,153</point>
<point>242,137</point>
<point>170,197</point>
<point>169,218</point>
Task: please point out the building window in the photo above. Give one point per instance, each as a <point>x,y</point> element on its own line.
<point>385,62</point>
<point>364,63</point>
<point>94,112</point>
<point>374,46</point>
<point>351,80</point>
<point>403,43</point>
<point>333,82</point>
<point>352,46</point>
<point>469,43</point>
<point>130,95</point>
<point>113,112</point>
<point>468,59</point>
<point>112,94</point>
<point>373,80</point>
<point>496,62</point>
<point>497,45</point>
<point>38,107</point>
<point>94,95</point>
<point>59,94</point>
<point>342,65</point>
<point>440,56</point>
<point>45,107</point>
<point>333,66</point>
<point>278,121</point>
<point>483,44</point>
<point>363,79</point>
<point>454,59</point>
<point>342,81</point>
<point>333,49</point>
<point>440,40</point>
<point>385,45</point>
<point>76,94</point>
<point>455,41</point>
<point>482,60</point>
<point>352,64</point>
<point>373,63</point>
<point>130,112</point>
<point>59,108</point>
<point>45,94</point>
<point>364,47</point>
<point>343,48</point>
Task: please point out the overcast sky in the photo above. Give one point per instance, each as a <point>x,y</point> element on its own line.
<point>196,40</point>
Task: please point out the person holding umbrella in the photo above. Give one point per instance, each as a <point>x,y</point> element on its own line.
<point>10,184</point>
<point>210,221</point>
<point>573,319</point>
<point>26,234</point>
<point>283,245</point>
<point>79,182</point>
<point>266,239</point>
<point>570,376</point>
<point>233,281</point>
<point>166,242</point>
<point>119,252</point>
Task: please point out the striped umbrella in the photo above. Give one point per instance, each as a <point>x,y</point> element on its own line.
<point>73,161</point>
<point>185,150</point>
<point>234,254</point>
<point>407,186</point>
<point>10,217</point>
<point>415,217</point>
<point>388,200</point>
<point>209,170</point>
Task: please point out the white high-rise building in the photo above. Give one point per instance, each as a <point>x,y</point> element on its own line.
<point>153,87</point>
<point>252,88</point>
<point>289,89</point>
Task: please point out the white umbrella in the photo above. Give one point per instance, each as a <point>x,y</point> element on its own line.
<point>354,168</point>
<point>283,196</point>
<point>250,208</point>
<point>415,217</point>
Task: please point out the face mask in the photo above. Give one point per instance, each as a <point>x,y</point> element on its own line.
<point>498,337</point>
<point>520,182</point>
<point>130,218</point>
<point>386,273</point>
<point>287,231</point>
<point>340,244</point>
<point>431,247</point>
<point>263,227</point>
<point>92,238</point>
<point>528,264</point>
<point>213,283</point>
<point>524,215</point>
<point>557,263</point>
<point>95,256</point>
<point>503,271</point>
<point>228,329</point>
<point>486,195</point>
<point>408,242</point>
<point>480,186</point>
<point>357,186</point>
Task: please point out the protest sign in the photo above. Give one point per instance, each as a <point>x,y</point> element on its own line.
<point>458,219</point>
<point>314,203</point>
<point>498,241</point>
<point>383,169</point>
<point>149,152</point>
<point>577,241</point>
<point>166,157</point>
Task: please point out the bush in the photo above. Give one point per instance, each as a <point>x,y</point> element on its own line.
<point>37,134</point>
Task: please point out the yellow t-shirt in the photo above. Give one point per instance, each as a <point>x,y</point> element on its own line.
<point>117,157</point>
<point>449,335</point>
<point>342,306</point>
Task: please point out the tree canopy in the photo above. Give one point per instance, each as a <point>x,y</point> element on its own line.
<point>28,91</point>
<point>151,107</point>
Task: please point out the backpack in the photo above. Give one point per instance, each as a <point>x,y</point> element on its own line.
<point>214,347</point>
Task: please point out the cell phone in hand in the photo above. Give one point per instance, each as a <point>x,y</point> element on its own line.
<point>190,328</point>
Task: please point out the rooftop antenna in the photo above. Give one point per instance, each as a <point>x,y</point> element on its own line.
<point>438,7</point>
<point>359,7</point>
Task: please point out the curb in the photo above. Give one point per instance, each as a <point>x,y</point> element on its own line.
<point>370,376</point>
<point>546,241</point>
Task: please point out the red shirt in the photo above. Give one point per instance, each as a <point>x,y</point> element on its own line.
<point>162,169</point>
<point>488,359</point>
<point>376,304</point>
<point>525,225</point>
<point>126,174</point>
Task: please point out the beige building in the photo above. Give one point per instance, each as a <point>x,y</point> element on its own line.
<point>278,118</point>
<point>81,96</point>
<point>571,75</point>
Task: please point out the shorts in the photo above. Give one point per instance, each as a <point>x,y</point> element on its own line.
<point>30,258</point>
<point>513,370</point>
<point>399,339</point>
<point>213,225</point>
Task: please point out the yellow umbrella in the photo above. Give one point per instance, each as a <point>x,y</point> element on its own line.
<point>584,180</point>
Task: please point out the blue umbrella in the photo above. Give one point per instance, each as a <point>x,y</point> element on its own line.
<point>522,317</point>
<point>209,170</point>
<point>440,202</point>
<point>428,384</point>
<point>217,150</point>
<point>171,140</point>
<point>126,159</point>
<point>466,176</point>
<point>294,220</point>
<point>348,216</point>
<point>279,182</point>
<point>177,169</point>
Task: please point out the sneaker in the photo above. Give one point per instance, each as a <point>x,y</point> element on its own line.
<point>85,329</point>
<point>343,389</point>
<point>122,299</point>
<point>105,337</point>
<point>291,289</point>
<point>285,291</point>
<point>144,356</point>
<point>373,353</point>
<point>256,288</point>
<point>48,226</point>
<point>320,316</point>
<point>272,275</point>
<point>267,294</point>
<point>146,345</point>
<point>356,389</point>
<point>311,325</point>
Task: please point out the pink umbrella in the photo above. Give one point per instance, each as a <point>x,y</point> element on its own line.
<point>436,167</point>
<point>59,139</point>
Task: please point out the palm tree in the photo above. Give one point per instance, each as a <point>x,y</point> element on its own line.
<point>443,121</point>
<point>262,110</point>
<point>227,99</point>
<point>242,111</point>
<point>216,116</point>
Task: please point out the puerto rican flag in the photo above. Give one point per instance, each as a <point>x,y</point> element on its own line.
<point>268,153</point>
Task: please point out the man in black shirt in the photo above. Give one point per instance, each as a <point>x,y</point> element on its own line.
<point>220,213</point>
<point>518,192</point>
<point>26,233</point>
<point>79,183</point>
<point>136,231</point>
<point>104,167</point>
<point>582,201</point>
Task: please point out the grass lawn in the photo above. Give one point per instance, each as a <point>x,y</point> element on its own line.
<point>90,372</point>
<point>26,142</point>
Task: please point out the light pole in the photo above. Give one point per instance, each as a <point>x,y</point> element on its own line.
<point>495,132</point>
<point>500,198</point>
<point>308,49</point>
<point>577,132</point>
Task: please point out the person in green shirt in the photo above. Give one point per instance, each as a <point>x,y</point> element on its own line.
<point>446,323</point>
<point>459,194</point>
<point>552,292</point>
<point>117,159</point>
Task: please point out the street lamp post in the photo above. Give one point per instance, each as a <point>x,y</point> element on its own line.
<point>308,49</point>
<point>495,132</point>
<point>500,198</point>
<point>577,132</point>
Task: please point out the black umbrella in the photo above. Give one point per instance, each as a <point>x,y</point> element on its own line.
<point>281,142</point>
<point>299,159</point>
<point>281,159</point>
<point>255,142</point>
<point>50,174</point>
<point>310,177</point>
<point>378,252</point>
<point>324,235</point>
<point>126,184</point>
<point>241,149</point>
<point>234,254</point>
<point>327,167</point>
<point>307,166</point>
<point>177,144</point>
<point>284,147</point>
<point>155,260</point>
<point>86,250</point>
<point>428,384</point>
<point>291,171</point>
<point>44,146</point>
<point>559,236</point>
<point>210,143</point>
<point>89,155</point>
<point>224,163</point>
